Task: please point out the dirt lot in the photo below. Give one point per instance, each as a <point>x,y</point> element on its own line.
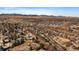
<point>38,33</point>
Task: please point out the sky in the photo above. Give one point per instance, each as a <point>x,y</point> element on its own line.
<point>57,11</point>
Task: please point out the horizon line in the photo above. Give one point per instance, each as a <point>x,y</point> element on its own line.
<point>37,14</point>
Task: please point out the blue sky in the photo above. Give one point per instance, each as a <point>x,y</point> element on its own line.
<point>58,11</point>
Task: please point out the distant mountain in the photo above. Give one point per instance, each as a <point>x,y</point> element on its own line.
<point>24,15</point>
<point>38,15</point>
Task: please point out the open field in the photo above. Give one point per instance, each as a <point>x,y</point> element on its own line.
<point>38,33</point>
